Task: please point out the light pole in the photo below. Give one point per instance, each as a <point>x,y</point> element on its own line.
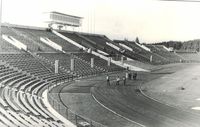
<point>1,18</point>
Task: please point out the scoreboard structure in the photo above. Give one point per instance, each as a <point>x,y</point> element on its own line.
<point>62,19</point>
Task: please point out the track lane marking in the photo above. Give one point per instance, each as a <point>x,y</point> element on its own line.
<point>195,108</point>
<point>116,113</point>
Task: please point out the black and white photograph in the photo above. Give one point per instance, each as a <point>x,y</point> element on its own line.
<point>100,63</point>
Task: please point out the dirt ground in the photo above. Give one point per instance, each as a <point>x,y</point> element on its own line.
<point>179,89</point>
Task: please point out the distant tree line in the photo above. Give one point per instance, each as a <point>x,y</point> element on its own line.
<point>191,45</point>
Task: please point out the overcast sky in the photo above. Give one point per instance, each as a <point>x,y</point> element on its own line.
<point>150,20</point>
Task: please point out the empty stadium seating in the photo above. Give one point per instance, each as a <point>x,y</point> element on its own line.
<point>98,62</point>
<point>141,54</point>
<point>7,47</point>
<point>32,46</point>
<point>100,42</point>
<point>81,68</point>
<point>21,107</point>
<point>36,34</point>
<point>33,66</point>
<point>158,49</point>
<point>77,38</point>
<point>31,38</point>
<point>138,53</point>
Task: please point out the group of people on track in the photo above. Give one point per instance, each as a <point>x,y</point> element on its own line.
<point>124,78</point>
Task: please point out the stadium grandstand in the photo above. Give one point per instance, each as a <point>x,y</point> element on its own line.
<point>37,63</point>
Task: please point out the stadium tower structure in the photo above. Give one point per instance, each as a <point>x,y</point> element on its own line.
<point>61,20</point>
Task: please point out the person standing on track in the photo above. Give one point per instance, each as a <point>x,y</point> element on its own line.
<point>129,76</point>
<point>108,80</point>
<point>135,76</point>
<point>117,80</point>
<point>124,80</point>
